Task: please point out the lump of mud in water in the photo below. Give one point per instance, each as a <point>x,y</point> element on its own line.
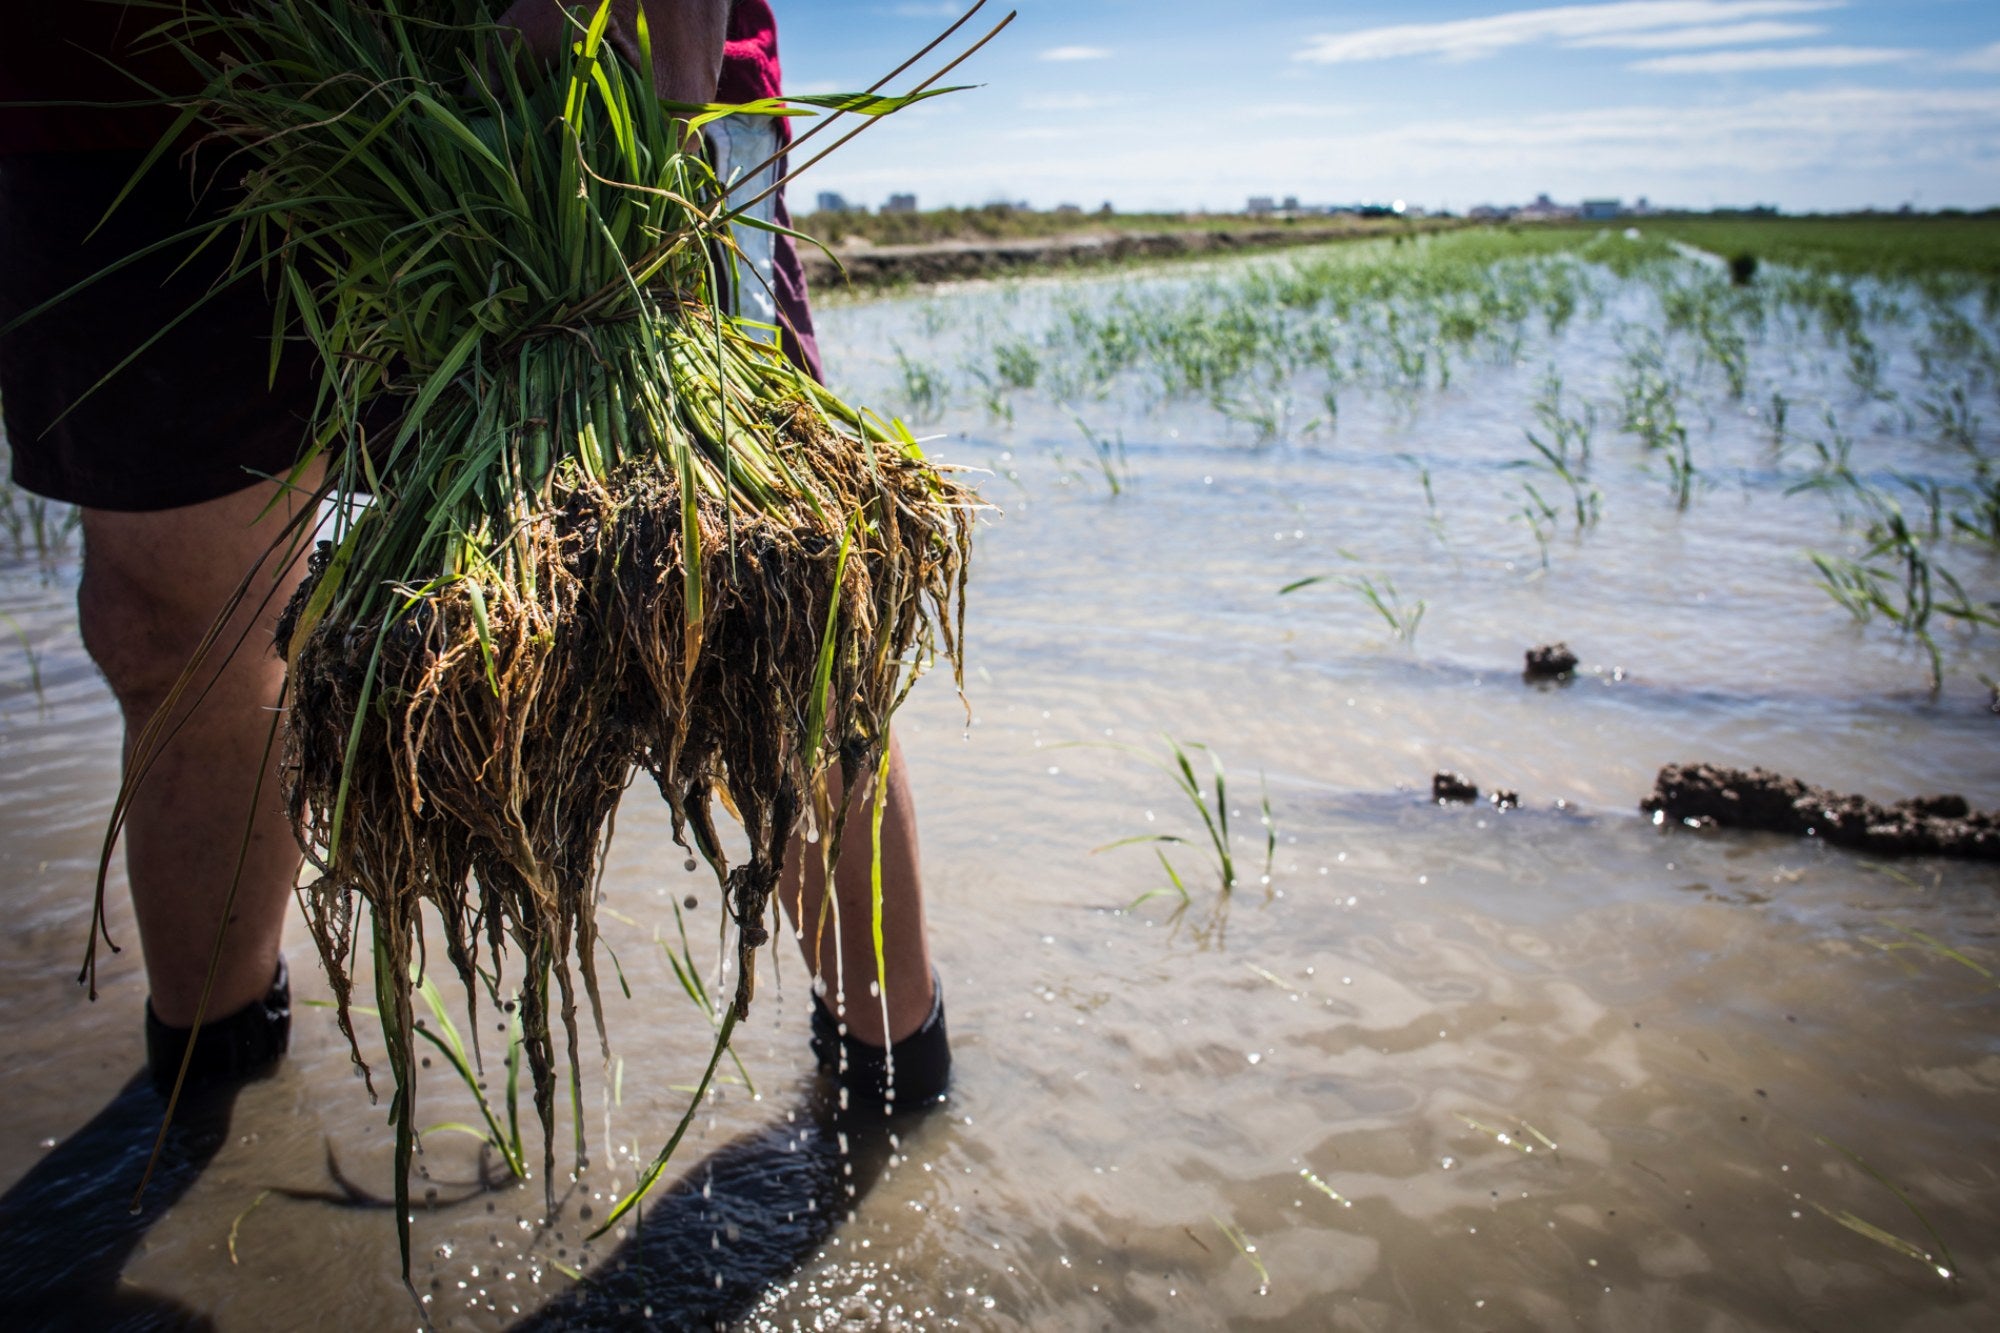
<point>1448,788</point>
<point>1506,800</point>
<point>1701,794</point>
<point>1549,661</point>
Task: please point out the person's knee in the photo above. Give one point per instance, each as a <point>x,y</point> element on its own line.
<point>140,634</point>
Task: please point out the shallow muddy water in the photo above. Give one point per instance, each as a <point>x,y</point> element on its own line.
<point>1437,1068</point>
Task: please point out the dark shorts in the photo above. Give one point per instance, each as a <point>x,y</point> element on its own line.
<point>196,415</point>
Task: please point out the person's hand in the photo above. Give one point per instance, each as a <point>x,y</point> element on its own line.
<point>686,37</point>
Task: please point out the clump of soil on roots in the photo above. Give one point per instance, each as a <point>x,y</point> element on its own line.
<point>508,711</point>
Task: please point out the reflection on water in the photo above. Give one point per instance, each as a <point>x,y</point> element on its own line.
<point>1451,1068</point>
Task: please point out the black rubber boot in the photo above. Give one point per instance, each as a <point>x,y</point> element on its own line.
<point>912,1074</point>
<point>230,1050</point>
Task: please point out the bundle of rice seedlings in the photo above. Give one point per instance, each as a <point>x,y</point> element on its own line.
<point>583,524</point>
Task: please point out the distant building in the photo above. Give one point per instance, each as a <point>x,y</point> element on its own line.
<point>1544,209</point>
<point>1599,210</point>
<point>1290,204</point>
<point>1260,204</point>
<point>832,202</point>
<point>1067,209</point>
<point>900,203</point>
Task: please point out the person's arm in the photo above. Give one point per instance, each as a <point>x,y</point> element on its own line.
<point>687,37</point>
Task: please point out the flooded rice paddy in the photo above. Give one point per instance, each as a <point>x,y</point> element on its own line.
<point>1422,1067</point>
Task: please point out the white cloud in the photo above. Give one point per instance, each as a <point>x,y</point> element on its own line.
<point>1986,59</point>
<point>1070,102</point>
<point>1324,112</point>
<point>1820,148</point>
<point>1473,39</point>
<point>1790,57</point>
<point>1076,53</point>
<point>1719,34</point>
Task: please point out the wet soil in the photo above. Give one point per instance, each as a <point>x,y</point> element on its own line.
<point>1708,794</point>
<point>1549,661</point>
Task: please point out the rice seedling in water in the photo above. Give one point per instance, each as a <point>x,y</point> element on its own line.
<point>924,391</point>
<point>1586,501</point>
<point>610,529</point>
<point>1923,942</point>
<point>27,651</point>
<point>1401,618</point>
<point>1568,434</point>
<point>1938,1259</point>
<point>1110,454</point>
<point>1897,575</point>
<point>1434,518</point>
<point>36,525</point>
<point>1017,364</point>
<point>1953,419</point>
<point>1245,1248</point>
<point>1306,1174</point>
<point>1211,807</point>
<point>1780,410</point>
<point>1507,1139</point>
<point>1540,516</point>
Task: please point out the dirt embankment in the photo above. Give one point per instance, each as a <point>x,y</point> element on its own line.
<point>1760,799</point>
<point>945,261</point>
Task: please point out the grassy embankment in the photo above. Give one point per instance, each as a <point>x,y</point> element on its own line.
<point>1877,245</point>
<point>996,222</point>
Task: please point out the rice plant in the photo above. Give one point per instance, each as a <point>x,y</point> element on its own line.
<point>1953,419</point>
<point>1568,433</point>
<point>1540,517</point>
<point>33,659</point>
<point>1433,516</point>
<point>1244,1247</point>
<point>1109,453</point>
<point>1017,364</point>
<point>443,1034</point>
<point>1586,501</point>
<point>925,390</point>
<point>1780,411</point>
<point>1938,1258</point>
<point>1402,618</point>
<point>1898,577</point>
<point>1211,807</point>
<point>610,529</point>
<point>34,525</point>
<point>688,973</point>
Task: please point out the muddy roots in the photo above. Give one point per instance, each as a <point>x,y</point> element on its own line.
<point>466,749</point>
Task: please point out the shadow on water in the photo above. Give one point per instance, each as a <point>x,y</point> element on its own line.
<point>67,1227</point>
<point>741,1221</point>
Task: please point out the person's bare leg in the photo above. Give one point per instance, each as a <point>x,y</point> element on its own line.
<point>152,585</point>
<point>839,942</point>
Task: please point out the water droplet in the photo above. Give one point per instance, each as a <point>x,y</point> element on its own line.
<point>1253,1057</point>
<point>688,865</point>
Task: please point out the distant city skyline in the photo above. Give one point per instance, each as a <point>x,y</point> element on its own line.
<point>1169,105</point>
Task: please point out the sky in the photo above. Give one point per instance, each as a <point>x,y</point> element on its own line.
<point>1812,105</point>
